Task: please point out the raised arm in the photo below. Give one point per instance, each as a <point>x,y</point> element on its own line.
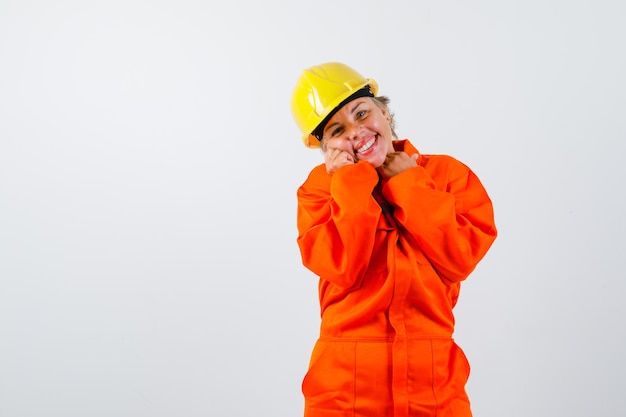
<point>337,220</point>
<point>451,220</point>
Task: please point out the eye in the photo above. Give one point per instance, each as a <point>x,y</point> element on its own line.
<point>361,114</point>
<point>336,132</point>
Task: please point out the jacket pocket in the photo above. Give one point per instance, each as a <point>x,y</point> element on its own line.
<point>329,381</point>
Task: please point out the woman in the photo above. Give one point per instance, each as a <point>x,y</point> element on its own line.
<point>391,233</point>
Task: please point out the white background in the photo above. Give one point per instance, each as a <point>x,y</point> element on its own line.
<point>148,170</point>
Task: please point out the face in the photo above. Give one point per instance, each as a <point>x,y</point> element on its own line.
<point>362,128</point>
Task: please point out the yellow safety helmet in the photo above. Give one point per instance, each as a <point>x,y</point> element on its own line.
<point>320,90</point>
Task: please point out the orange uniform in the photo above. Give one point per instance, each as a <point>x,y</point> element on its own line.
<point>390,256</point>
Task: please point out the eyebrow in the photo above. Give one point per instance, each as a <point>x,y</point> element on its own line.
<point>356,106</point>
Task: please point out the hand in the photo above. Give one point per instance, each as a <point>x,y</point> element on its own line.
<point>396,162</point>
<point>337,153</point>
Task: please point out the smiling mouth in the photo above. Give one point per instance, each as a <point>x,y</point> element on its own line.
<point>366,145</point>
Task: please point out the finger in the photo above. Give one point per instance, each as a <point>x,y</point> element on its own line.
<point>335,154</point>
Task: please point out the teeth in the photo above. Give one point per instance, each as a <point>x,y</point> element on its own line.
<point>367,145</point>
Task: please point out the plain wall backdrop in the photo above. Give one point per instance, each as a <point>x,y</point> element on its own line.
<point>148,171</point>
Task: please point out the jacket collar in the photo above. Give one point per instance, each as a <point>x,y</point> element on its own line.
<point>403,145</point>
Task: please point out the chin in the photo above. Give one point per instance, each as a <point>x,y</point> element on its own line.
<point>376,161</point>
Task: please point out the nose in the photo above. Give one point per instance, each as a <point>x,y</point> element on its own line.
<point>352,132</point>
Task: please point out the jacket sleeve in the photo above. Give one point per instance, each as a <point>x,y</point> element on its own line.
<point>446,212</point>
<point>337,221</point>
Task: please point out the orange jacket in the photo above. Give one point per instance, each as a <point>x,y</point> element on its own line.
<point>390,276</point>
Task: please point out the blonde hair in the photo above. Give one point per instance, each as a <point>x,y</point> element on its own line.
<point>383,103</point>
